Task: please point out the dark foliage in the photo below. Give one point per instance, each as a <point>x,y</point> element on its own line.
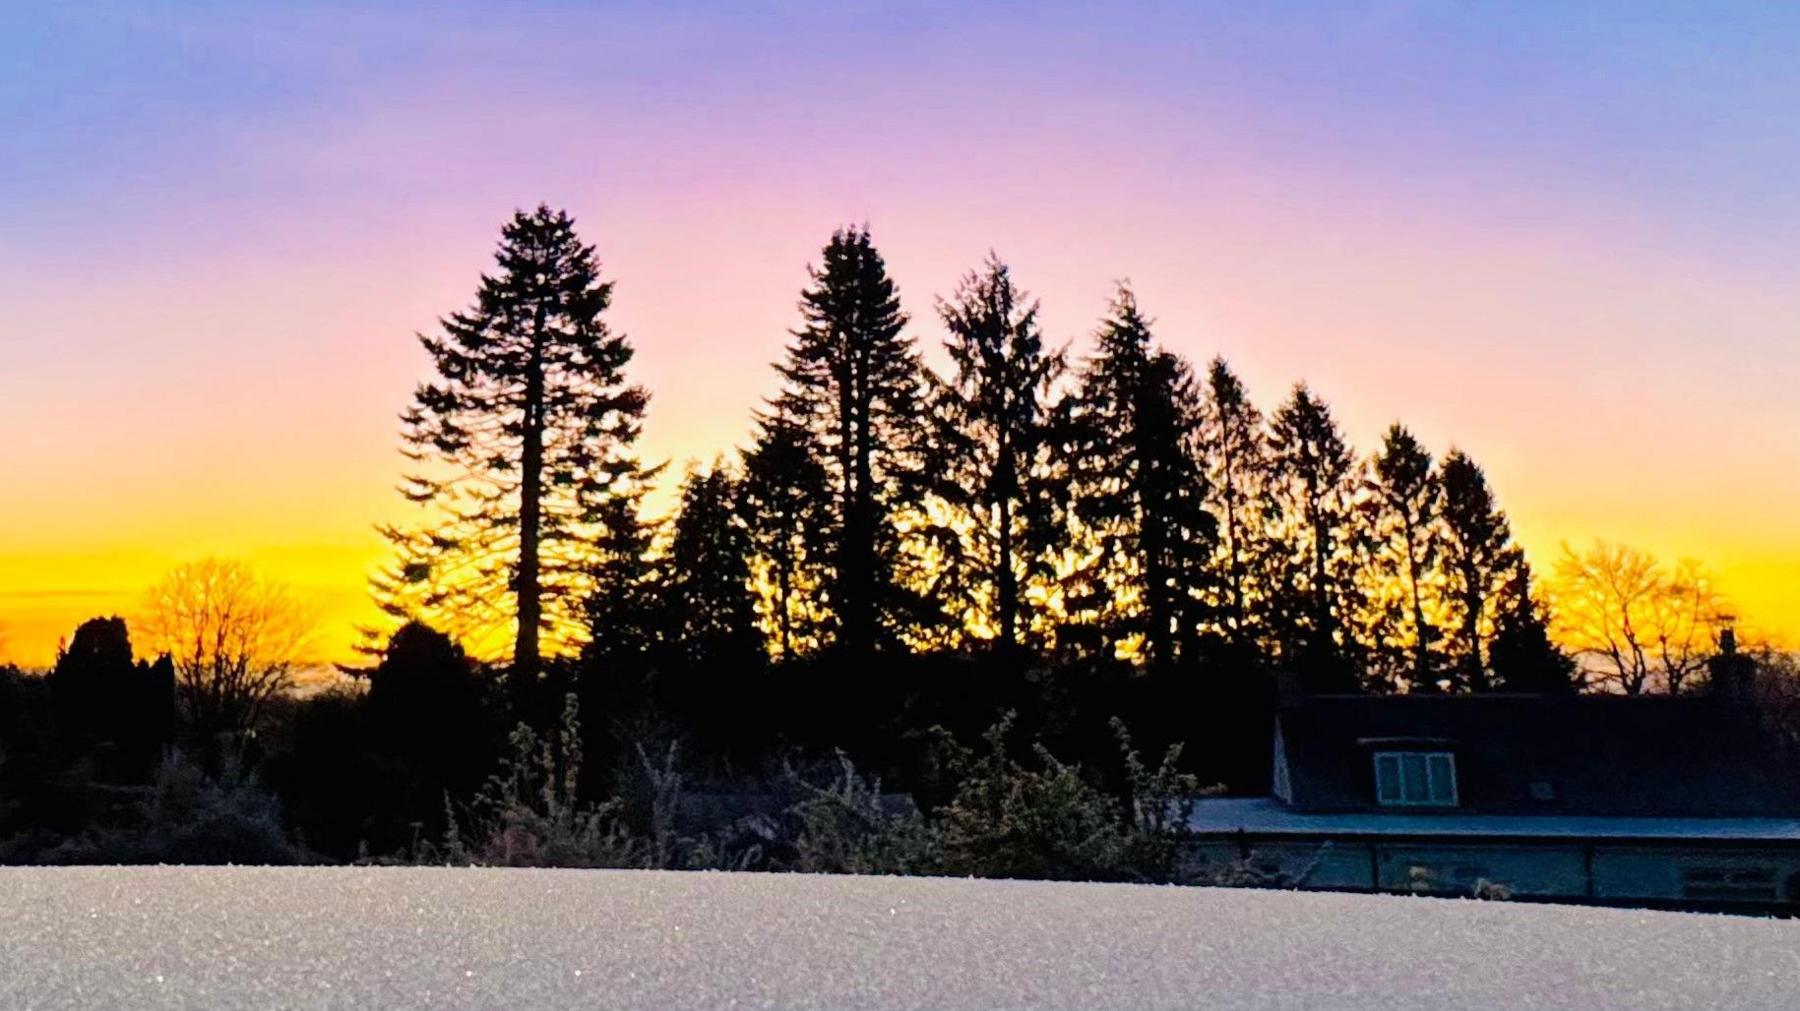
<point>902,631</point>
<point>1316,484</point>
<point>118,711</point>
<point>711,606</point>
<point>994,453</point>
<point>852,394</point>
<point>522,449</point>
<point>1482,568</point>
<point>1137,482</point>
<point>784,498</point>
<point>1404,501</point>
<point>1521,657</point>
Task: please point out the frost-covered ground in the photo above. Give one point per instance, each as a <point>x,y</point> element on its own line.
<point>368,938</point>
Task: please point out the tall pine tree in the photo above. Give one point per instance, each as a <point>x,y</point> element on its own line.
<point>522,449</point>
<point>1480,563</point>
<point>853,388</point>
<point>1234,449</point>
<point>784,499</point>
<point>993,438</point>
<point>712,611</point>
<point>1138,486</point>
<point>1405,498</point>
<point>1316,482</point>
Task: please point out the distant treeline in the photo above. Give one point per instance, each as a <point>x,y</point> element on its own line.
<point>1051,547</point>
<point>1033,503</point>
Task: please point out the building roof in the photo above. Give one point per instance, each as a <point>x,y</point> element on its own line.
<point>1589,755</point>
<point>1265,817</point>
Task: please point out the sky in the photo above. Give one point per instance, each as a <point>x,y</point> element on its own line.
<point>1562,237</point>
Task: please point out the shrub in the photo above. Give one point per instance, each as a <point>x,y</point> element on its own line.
<point>189,817</point>
<point>528,814</point>
<point>1008,821</point>
<point>845,827</point>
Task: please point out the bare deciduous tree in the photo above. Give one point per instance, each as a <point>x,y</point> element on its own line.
<point>234,636</point>
<point>1635,624</point>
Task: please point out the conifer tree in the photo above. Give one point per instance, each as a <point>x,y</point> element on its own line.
<point>1316,481</point>
<point>1138,486</point>
<point>1480,562</point>
<point>104,703</point>
<point>1522,656</point>
<point>1234,449</point>
<point>522,450</point>
<point>993,438</point>
<point>784,499</point>
<point>1405,498</point>
<point>712,610</point>
<point>624,609</point>
<point>853,389</point>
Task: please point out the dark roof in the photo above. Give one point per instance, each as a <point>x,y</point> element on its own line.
<point>1586,755</point>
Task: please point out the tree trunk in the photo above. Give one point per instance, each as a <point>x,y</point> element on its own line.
<point>1006,584</point>
<point>1421,643</point>
<point>527,588</point>
<point>858,555</point>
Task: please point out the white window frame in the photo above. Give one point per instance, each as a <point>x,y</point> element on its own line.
<point>1416,779</point>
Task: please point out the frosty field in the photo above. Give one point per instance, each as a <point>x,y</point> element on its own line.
<point>401,938</point>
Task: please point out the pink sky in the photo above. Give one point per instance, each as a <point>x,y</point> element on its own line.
<point>208,323</point>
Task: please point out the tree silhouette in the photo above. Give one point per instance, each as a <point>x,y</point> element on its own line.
<point>1315,481</point>
<point>992,446</point>
<point>522,447</point>
<point>1234,448</point>
<point>1480,564</point>
<point>1405,498</point>
<point>106,704</point>
<point>853,391</point>
<point>1637,624</point>
<point>708,594</point>
<point>1522,656</point>
<point>1138,486</point>
<point>235,638</point>
<point>429,715</point>
<point>626,603</point>
<point>784,498</point>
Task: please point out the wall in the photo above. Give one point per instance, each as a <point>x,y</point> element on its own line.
<point>1701,875</point>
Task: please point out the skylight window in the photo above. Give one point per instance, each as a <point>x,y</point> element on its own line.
<point>1415,778</point>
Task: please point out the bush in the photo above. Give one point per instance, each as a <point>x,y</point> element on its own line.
<point>846,827</point>
<point>191,818</point>
<point>1008,821</point>
<point>1011,821</point>
<point>528,814</point>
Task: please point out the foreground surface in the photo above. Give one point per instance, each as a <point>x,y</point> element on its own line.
<point>341,937</point>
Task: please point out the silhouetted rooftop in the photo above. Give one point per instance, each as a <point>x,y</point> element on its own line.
<point>1690,756</point>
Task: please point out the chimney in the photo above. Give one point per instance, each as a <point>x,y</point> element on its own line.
<point>1289,692</point>
<point>1733,673</point>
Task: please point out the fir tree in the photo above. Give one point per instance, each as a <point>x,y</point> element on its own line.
<point>708,594</point>
<point>992,441</point>
<point>1480,562</point>
<point>1235,451</point>
<point>1405,498</point>
<point>522,446</point>
<point>784,500</point>
<point>1522,656</point>
<point>1138,486</point>
<point>1315,481</point>
<point>625,612</point>
<point>853,389</point>
<point>104,703</point>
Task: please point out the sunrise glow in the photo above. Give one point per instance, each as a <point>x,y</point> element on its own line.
<point>1567,246</point>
